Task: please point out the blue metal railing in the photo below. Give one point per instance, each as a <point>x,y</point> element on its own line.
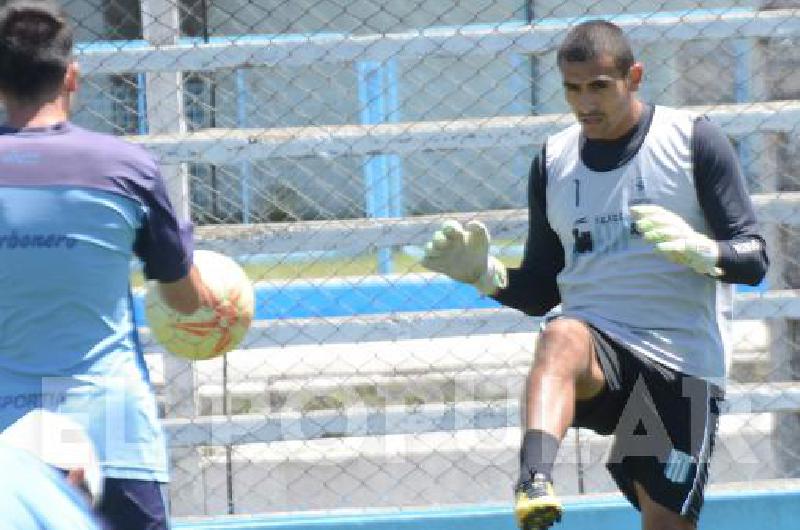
<point>737,510</point>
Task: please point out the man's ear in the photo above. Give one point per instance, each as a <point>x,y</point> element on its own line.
<point>71,77</point>
<point>635,75</point>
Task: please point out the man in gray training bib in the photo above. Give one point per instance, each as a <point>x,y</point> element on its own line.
<point>639,223</point>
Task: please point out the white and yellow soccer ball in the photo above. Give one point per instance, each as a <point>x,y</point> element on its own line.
<point>210,331</point>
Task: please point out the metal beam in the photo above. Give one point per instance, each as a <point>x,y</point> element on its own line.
<point>485,39</point>
<point>363,421</point>
<point>352,236</point>
<point>227,146</point>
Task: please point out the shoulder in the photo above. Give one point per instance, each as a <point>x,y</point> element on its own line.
<point>113,147</point>
<point>112,163</point>
<point>705,130</point>
<point>671,131</point>
<point>711,147</point>
<point>664,116</point>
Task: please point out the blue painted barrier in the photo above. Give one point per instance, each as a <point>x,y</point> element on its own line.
<point>373,295</point>
<point>741,510</point>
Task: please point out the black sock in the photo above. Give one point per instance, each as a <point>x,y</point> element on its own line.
<point>537,454</point>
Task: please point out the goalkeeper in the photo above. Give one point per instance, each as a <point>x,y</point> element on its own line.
<point>639,221</point>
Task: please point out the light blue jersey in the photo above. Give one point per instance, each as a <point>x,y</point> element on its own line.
<point>34,496</point>
<point>75,207</point>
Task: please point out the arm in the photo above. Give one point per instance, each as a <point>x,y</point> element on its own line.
<point>463,254</point>
<point>185,295</point>
<point>734,252</point>
<point>166,246</point>
<point>532,287</point>
<point>726,204</point>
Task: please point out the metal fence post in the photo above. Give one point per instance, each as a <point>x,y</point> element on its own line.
<point>164,107</point>
<point>141,103</point>
<point>242,99</point>
<point>762,153</point>
<point>377,94</point>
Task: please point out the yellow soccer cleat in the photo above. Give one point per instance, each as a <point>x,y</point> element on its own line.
<point>537,506</point>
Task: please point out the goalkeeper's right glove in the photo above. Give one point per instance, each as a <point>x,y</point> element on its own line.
<point>463,254</point>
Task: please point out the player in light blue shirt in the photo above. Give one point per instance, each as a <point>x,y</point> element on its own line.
<point>52,474</point>
<point>35,496</point>
<point>75,208</point>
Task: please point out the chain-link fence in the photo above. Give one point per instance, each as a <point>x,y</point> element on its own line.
<point>320,142</point>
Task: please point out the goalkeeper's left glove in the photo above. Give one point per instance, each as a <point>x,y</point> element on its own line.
<point>674,238</point>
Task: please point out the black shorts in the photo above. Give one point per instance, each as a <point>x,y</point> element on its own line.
<point>664,423</point>
<point>128,504</point>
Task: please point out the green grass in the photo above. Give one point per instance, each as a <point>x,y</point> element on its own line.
<point>357,266</point>
<point>361,265</point>
<point>327,268</point>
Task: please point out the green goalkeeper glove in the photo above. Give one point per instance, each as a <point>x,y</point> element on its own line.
<point>678,241</point>
<point>463,254</point>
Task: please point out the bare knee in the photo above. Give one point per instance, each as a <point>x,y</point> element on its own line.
<point>564,346</point>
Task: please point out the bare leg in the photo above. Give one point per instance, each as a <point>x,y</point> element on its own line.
<point>565,369</point>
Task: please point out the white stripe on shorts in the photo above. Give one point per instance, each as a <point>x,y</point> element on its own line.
<point>704,453</point>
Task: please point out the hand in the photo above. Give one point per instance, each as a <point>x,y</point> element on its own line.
<point>463,254</point>
<point>674,238</point>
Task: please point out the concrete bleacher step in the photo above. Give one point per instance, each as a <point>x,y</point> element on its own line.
<point>485,367</point>
<point>441,467</point>
<point>398,357</point>
<point>296,423</point>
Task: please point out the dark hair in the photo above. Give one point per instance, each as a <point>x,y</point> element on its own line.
<point>593,39</point>
<point>35,48</point>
